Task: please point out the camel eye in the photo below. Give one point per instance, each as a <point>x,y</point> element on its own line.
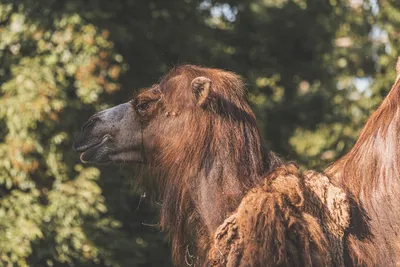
<point>142,106</point>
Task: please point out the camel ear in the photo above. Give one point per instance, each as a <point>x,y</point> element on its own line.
<point>201,90</point>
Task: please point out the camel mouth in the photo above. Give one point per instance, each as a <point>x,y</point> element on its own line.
<point>94,152</point>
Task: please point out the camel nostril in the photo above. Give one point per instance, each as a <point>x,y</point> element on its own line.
<point>90,122</point>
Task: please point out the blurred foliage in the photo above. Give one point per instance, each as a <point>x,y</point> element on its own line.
<point>314,69</point>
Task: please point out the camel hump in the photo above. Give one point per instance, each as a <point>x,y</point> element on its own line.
<point>277,223</point>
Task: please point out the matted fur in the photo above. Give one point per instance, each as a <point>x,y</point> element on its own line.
<point>289,220</point>
<point>370,173</point>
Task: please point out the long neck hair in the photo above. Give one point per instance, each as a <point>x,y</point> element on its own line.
<point>205,169</point>
<point>371,169</point>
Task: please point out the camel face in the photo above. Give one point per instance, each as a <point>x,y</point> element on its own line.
<point>136,131</point>
<point>113,134</point>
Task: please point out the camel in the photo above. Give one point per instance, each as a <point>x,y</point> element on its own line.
<point>227,200</point>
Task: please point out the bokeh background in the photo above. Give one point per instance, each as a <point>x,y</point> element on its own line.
<point>314,69</point>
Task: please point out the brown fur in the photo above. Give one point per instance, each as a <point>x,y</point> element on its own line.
<point>370,173</point>
<point>289,220</point>
<point>205,170</point>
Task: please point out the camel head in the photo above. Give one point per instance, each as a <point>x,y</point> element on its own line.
<point>198,134</point>
<point>133,132</point>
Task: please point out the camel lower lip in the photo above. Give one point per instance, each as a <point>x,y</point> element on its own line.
<point>126,157</point>
<point>90,152</point>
